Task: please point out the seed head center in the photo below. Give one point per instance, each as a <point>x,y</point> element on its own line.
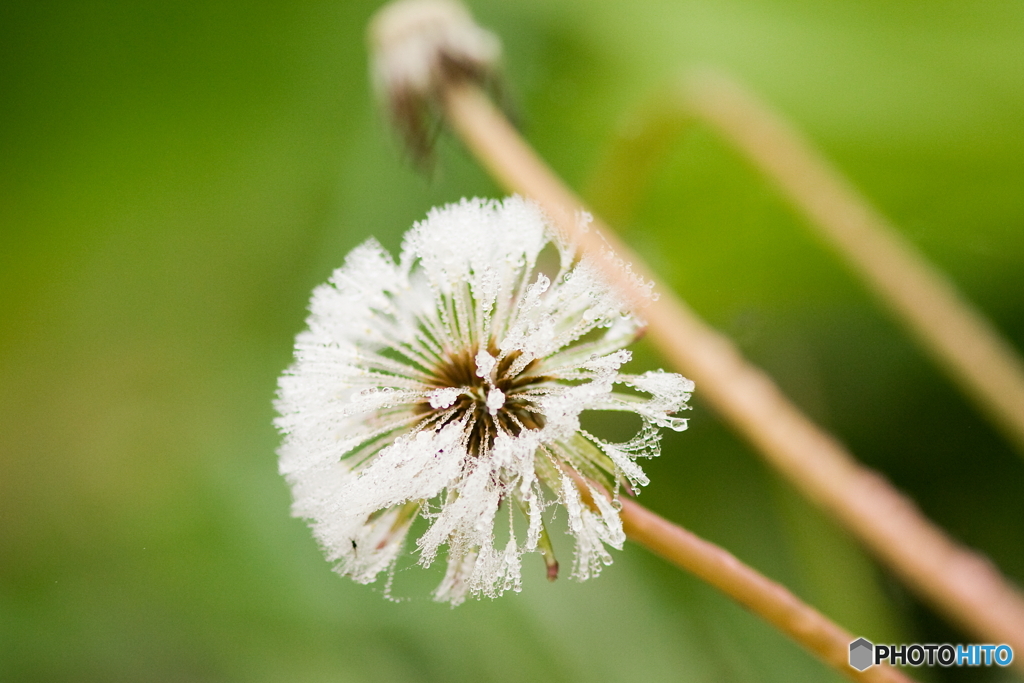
<point>492,405</point>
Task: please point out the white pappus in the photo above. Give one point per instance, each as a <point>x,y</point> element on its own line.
<point>449,386</point>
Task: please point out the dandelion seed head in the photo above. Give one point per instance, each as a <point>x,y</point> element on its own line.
<point>448,385</point>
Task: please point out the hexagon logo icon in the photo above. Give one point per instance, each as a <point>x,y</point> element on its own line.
<point>861,654</point>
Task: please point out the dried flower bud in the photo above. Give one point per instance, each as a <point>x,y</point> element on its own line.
<point>416,48</point>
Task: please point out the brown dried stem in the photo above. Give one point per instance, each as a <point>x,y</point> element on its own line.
<point>958,582</point>
<point>769,600</point>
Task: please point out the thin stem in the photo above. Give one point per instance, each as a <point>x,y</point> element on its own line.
<point>759,594</point>
<point>767,599</point>
<point>960,583</point>
<point>957,336</point>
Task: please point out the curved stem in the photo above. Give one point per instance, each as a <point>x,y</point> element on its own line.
<point>957,336</point>
<point>759,594</point>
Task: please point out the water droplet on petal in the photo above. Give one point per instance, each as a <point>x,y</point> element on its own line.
<point>495,401</point>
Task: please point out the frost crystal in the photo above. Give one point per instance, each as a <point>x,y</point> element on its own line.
<point>449,385</point>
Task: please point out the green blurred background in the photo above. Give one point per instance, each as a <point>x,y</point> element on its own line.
<point>176,177</point>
